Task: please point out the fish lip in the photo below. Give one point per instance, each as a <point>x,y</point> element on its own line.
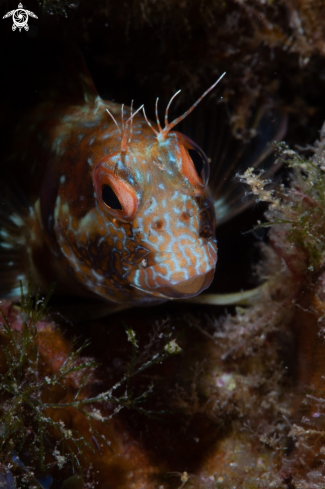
<point>173,292</point>
<point>172,281</point>
<point>179,291</point>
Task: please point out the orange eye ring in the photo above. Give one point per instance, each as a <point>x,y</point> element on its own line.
<point>194,163</point>
<point>115,196</point>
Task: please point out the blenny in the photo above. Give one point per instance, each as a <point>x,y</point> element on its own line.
<point>104,202</point>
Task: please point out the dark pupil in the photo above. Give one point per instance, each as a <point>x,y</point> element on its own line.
<point>110,199</point>
<point>197,160</point>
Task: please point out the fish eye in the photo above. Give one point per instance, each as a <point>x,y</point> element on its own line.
<point>195,164</point>
<point>115,196</point>
<point>110,198</point>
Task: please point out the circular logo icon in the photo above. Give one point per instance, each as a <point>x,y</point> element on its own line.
<point>20,18</point>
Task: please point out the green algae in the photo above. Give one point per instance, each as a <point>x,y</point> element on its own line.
<point>32,440</point>
<point>298,207</point>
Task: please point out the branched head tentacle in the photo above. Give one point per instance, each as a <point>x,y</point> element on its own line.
<point>118,127</point>
<point>131,123</point>
<point>149,124</point>
<point>122,116</point>
<point>157,117</point>
<point>127,136</point>
<point>167,108</point>
<point>162,134</point>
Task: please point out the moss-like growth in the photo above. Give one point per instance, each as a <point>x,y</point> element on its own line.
<point>24,418</point>
<point>33,436</point>
<point>298,208</point>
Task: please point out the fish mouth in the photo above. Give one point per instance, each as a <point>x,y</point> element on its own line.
<point>191,285</point>
<point>188,288</point>
<point>176,277</point>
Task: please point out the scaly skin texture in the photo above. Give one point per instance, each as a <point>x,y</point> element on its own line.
<point>160,245</point>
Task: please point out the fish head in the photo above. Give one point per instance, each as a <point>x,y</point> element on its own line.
<point>128,213</point>
<point>155,218</point>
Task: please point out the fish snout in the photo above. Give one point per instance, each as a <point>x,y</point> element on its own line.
<point>182,273</point>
